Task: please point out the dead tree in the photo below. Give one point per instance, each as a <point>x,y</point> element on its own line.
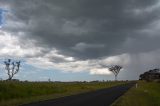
<point>12,68</point>
<point>115,70</point>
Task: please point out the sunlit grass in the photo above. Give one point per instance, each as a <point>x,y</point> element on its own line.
<point>147,94</point>
<point>15,93</point>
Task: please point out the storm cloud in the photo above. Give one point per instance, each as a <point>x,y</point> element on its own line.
<point>85,33</point>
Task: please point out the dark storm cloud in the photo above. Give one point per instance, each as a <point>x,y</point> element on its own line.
<point>102,27</point>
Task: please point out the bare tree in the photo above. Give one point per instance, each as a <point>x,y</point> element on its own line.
<point>115,70</point>
<point>12,68</point>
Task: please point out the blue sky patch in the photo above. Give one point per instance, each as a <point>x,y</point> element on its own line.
<point>2,11</point>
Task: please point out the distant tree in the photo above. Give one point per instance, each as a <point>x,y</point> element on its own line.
<point>115,70</point>
<point>12,68</point>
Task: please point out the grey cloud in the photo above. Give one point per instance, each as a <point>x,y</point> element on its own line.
<point>65,24</point>
<point>83,46</point>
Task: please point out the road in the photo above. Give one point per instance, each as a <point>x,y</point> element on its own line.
<point>103,97</point>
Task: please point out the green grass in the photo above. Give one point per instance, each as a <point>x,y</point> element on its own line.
<point>146,94</point>
<point>15,93</point>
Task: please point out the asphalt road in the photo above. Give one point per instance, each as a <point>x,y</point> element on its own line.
<point>103,97</point>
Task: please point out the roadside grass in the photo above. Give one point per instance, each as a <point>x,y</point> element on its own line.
<point>146,94</point>
<point>16,93</point>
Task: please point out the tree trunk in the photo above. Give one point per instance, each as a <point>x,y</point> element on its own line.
<point>115,77</point>
<point>9,79</point>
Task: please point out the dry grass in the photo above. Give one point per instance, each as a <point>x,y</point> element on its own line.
<point>147,94</point>
<point>15,93</point>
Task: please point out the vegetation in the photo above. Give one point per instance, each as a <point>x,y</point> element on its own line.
<point>146,94</point>
<point>115,70</point>
<point>12,68</point>
<point>15,93</point>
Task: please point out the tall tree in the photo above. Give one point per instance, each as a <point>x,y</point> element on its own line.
<point>12,68</point>
<point>115,70</point>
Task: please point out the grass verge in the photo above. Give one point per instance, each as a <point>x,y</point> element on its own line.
<point>16,93</point>
<point>146,94</point>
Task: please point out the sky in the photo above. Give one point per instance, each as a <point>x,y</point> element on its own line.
<point>74,40</point>
<point>1,17</point>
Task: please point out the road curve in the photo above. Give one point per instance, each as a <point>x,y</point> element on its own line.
<point>103,97</point>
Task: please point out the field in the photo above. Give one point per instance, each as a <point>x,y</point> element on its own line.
<point>15,93</point>
<point>146,94</point>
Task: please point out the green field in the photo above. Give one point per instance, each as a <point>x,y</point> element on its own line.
<point>146,94</point>
<point>14,93</point>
